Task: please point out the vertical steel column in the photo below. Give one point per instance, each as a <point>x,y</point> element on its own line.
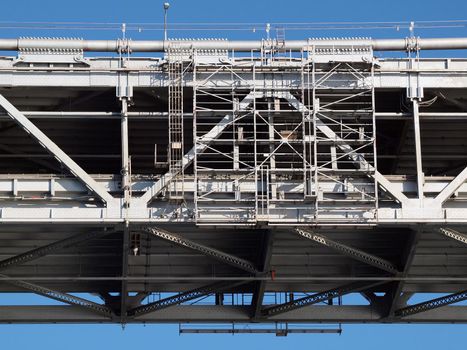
<point>272,159</point>
<point>375,156</point>
<point>418,150</point>
<point>314,103</point>
<point>125,171</point>
<point>307,129</point>
<point>304,123</point>
<point>125,94</point>
<point>126,184</point>
<point>124,286</point>
<point>235,132</point>
<point>255,145</point>
<point>195,137</point>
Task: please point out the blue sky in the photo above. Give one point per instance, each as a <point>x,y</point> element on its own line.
<point>360,337</point>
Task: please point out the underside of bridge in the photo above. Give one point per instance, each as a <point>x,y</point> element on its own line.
<point>316,186</point>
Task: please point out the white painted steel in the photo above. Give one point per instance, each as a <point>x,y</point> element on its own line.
<point>404,44</point>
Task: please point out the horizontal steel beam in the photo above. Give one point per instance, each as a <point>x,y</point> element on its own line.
<point>104,73</point>
<point>227,314</point>
<point>403,44</point>
<point>54,184</point>
<point>163,213</point>
<point>285,280</point>
<point>277,331</point>
<point>164,115</point>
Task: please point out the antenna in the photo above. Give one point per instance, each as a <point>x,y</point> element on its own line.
<point>412,29</point>
<point>124,31</point>
<point>166,8</point>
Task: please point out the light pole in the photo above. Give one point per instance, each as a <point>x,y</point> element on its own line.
<point>166,7</point>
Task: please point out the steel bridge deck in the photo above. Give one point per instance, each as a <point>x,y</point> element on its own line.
<point>207,188</point>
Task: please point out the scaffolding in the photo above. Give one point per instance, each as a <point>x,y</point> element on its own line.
<point>223,130</point>
<point>266,139</point>
<point>338,111</point>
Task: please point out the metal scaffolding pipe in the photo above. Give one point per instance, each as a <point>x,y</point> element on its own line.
<point>403,44</point>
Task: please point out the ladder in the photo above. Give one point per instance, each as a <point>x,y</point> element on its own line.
<point>263,192</point>
<point>175,146</point>
<point>280,37</point>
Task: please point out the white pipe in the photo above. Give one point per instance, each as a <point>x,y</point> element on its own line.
<point>293,45</point>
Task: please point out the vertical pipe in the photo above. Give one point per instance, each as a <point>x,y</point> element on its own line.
<point>125,153</point>
<point>272,159</point>
<point>124,286</point>
<point>166,8</point>
<point>255,156</point>
<point>165,25</point>
<point>375,155</point>
<point>418,150</point>
<point>195,138</point>
<point>305,121</point>
<point>315,105</point>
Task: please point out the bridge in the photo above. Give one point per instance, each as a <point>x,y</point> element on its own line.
<point>222,181</point>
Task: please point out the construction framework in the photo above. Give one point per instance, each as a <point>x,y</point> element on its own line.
<point>277,182</point>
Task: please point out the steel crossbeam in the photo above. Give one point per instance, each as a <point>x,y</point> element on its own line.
<point>49,293</point>
<point>345,314</point>
<point>199,147</point>
<point>208,251</point>
<point>349,251</point>
<point>50,248</point>
<point>451,188</point>
<point>358,159</point>
<point>432,304</point>
<point>182,298</point>
<point>318,298</point>
<point>62,297</point>
<point>453,234</point>
<point>51,147</point>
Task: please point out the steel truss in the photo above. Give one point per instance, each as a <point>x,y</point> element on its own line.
<point>51,147</point>
<point>63,297</point>
<point>50,293</point>
<point>432,304</point>
<point>280,143</point>
<point>442,301</point>
<point>50,248</point>
<point>349,251</point>
<point>318,298</point>
<point>453,234</point>
<point>181,298</point>
<point>214,253</point>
